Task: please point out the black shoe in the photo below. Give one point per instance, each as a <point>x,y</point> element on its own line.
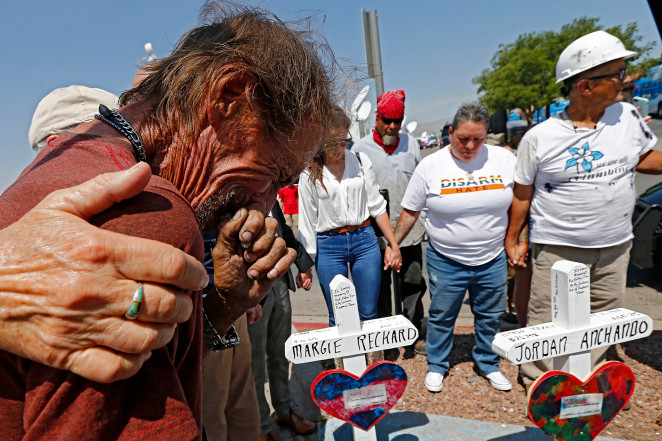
<point>409,353</point>
<point>421,348</point>
<point>509,317</point>
<point>391,354</point>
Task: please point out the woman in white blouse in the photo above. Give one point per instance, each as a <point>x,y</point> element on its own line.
<point>337,196</point>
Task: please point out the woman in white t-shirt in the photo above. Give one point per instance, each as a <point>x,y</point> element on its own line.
<point>337,196</point>
<point>467,190</point>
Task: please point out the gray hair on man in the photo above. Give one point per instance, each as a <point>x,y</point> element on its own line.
<point>473,111</point>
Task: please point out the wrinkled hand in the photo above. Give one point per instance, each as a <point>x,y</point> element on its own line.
<point>392,258</point>
<point>245,270</point>
<point>254,314</point>
<point>65,284</point>
<point>305,280</point>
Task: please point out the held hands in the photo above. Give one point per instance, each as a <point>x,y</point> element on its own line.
<point>305,279</point>
<point>392,258</point>
<point>517,253</point>
<point>254,314</point>
<point>65,284</point>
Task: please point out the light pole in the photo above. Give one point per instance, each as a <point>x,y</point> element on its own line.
<point>372,49</point>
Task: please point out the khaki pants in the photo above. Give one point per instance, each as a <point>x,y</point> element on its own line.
<point>292,220</point>
<point>608,273</point>
<point>229,403</point>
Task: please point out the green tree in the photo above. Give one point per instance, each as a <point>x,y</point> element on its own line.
<point>522,73</point>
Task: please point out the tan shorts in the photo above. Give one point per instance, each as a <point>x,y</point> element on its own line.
<point>292,220</point>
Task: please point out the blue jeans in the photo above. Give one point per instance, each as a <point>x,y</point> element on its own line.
<point>449,280</point>
<point>360,250</point>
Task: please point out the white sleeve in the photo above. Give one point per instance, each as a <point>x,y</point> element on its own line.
<point>527,165</point>
<point>415,196</point>
<point>308,206</point>
<point>645,137</point>
<point>376,202</point>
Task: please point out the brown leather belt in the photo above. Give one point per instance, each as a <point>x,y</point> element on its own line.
<point>350,228</point>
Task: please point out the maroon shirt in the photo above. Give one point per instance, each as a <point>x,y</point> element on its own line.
<point>163,400</point>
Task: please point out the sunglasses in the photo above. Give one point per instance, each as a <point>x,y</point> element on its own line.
<point>342,143</point>
<point>621,74</point>
<point>389,121</point>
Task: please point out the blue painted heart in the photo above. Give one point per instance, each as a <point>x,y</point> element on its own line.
<point>361,401</point>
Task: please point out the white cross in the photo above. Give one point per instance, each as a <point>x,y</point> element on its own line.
<point>574,331</point>
<point>350,339</point>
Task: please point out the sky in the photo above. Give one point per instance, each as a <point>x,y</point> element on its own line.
<point>430,48</point>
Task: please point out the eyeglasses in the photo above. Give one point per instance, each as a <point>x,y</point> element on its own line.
<point>621,74</point>
<point>389,121</point>
<point>341,143</point>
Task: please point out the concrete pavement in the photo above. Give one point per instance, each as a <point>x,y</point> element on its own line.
<point>411,426</point>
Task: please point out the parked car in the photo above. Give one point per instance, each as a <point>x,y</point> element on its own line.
<point>445,134</point>
<point>650,87</point>
<point>647,227</point>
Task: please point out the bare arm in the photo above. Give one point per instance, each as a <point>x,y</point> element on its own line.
<point>650,163</point>
<point>517,225</point>
<point>405,224</point>
<point>65,284</point>
<point>392,256</point>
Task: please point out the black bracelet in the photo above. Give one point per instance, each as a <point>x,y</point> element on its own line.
<point>216,341</point>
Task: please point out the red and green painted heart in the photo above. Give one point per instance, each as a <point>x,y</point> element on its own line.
<point>566,408</point>
<point>361,401</point>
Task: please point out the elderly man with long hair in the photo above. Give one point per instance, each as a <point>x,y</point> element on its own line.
<point>233,114</point>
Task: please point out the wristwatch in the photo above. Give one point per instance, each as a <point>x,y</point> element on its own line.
<point>216,341</point>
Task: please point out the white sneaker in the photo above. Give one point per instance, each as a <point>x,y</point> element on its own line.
<point>498,381</point>
<point>434,381</point>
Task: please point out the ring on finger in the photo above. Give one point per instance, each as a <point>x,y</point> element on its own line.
<point>136,303</point>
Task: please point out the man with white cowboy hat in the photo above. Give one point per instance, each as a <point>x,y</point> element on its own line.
<point>574,178</point>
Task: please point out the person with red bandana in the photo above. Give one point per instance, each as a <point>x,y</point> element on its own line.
<point>394,156</point>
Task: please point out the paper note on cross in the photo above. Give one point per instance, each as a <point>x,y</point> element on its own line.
<point>574,331</point>
<point>350,339</point>
<point>575,403</point>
